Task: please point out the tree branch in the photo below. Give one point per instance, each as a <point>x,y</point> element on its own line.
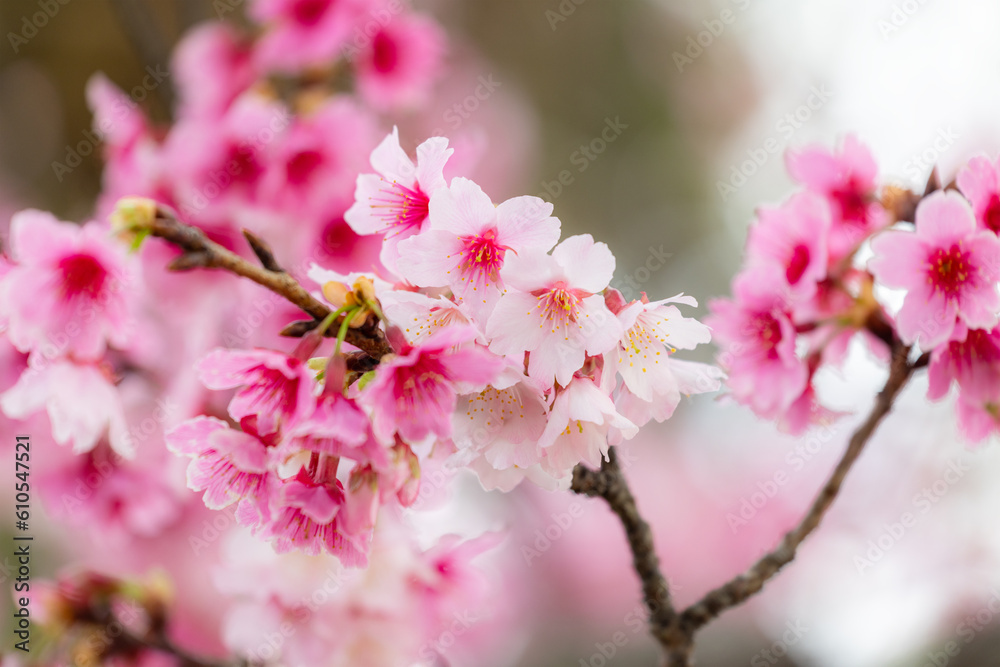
<point>609,483</point>
<point>200,252</point>
<point>750,582</point>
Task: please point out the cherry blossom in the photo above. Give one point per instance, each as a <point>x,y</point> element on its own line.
<point>949,269</point>
<point>69,286</point>
<point>554,310</point>
<point>395,201</point>
<point>468,239</point>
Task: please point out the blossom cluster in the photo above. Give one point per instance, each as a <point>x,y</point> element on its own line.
<point>103,352</point>
<point>819,266</point>
<point>511,355</point>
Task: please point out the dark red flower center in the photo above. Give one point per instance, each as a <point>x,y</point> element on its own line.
<point>797,264</point>
<point>991,214</point>
<point>385,53</point>
<point>309,12</point>
<point>949,269</point>
<point>852,199</point>
<point>82,275</point>
<point>301,167</point>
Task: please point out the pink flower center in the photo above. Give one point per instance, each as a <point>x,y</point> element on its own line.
<point>768,332</point>
<point>302,166</point>
<point>853,200</point>
<point>420,385</point>
<point>241,162</point>
<point>797,264</point>
<point>482,257</point>
<point>401,208</point>
<point>337,240</point>
<point>949,270</point>
<point>991,215</point>
<point>560,306</point>
<point>979,348</point>
<point>309,12</point>
<point>385,53</point>
<point>82,275</point>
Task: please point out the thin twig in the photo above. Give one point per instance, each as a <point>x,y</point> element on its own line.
<point>200,252</point>
<point>750,582</point>
<point>609,483</point>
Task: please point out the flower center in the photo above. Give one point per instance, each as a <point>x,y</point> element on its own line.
<point>302,165</point>
<point>309,12</point>
<point>949,270</point>
<point>482,257</point>
<point>385,53</point>
<point>852,200</point>
<point>768,331</point>
<point>82,275</point>
<point>991,216</point>
<point>401,208</point>
<point>797,264</point>
<point>560,306</point>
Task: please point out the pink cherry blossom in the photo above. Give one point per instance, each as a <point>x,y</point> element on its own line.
<point>311,170</point>
<point>68,290</point>
<point>949,268</point>
<point>979,181</point>
<point>653,380</point>
<point>972,359</point>
<point>468,239</point>
<point>216,164</point>
<point>502,424</point>
<point>336,427</point>
<point>978,418</point>
<point>307,521</point>
<point>211,67</point>
<point>228,465</point>
<point>395,200</point>
<point>846,178</point>
<point>415,392</point>
<point>275,388</point>
<point>793,236</point>
<point>420,316</point>
<point>106,495</point>
<point>554,310</point>
<point>401,62</point>
<point>82,403</point>
<point>300,33</point>
<point>756,337</point>
<point>580,421</point>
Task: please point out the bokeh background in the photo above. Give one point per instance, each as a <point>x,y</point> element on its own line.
<point>695,91</point>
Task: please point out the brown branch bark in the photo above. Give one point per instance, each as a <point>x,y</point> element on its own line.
<point>675,631</point>
<point>609,483</point>
<point>201,252</point>
<point>750,582</point>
